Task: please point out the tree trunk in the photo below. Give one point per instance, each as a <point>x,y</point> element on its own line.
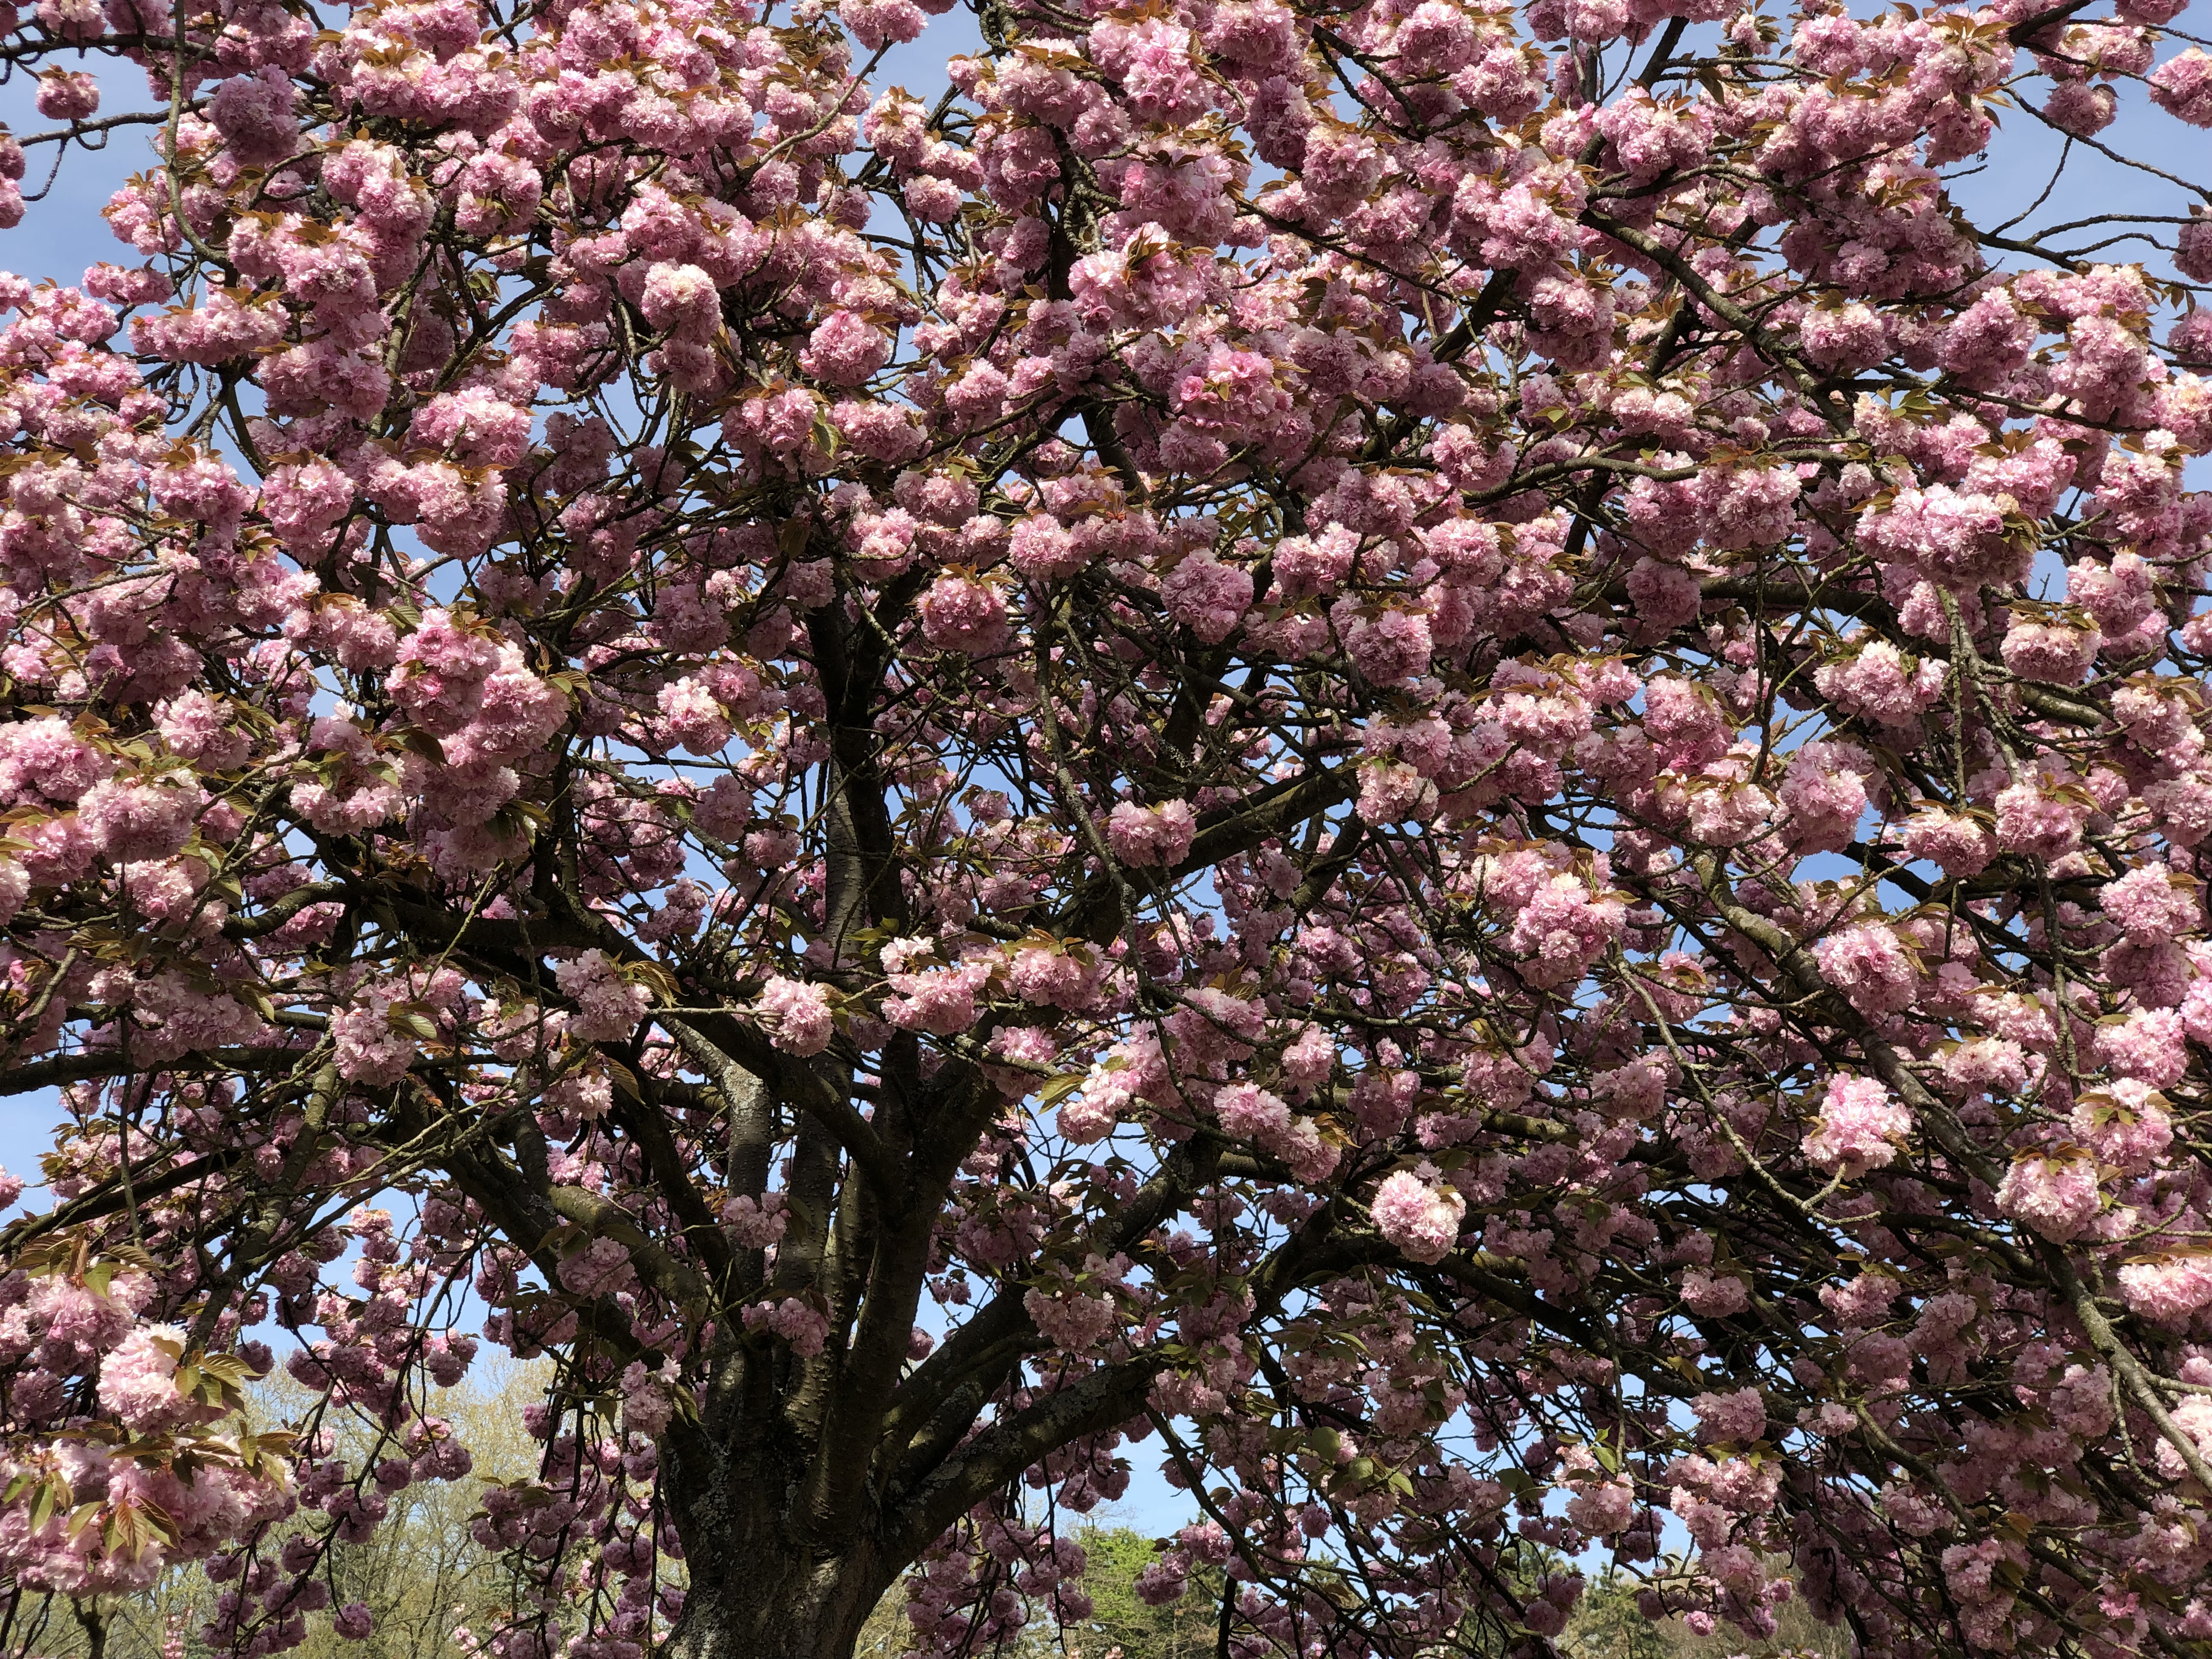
<point>757,1590</point>
<point>753,1604</point>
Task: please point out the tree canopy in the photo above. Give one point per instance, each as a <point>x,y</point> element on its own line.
<point>1445,762</point>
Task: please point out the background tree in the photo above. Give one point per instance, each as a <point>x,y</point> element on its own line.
<point>1446,759</point>
<point>1607,1624</point>
<point>1115,1561</point>
<point>426,1572</point>
<point>423,1575</point>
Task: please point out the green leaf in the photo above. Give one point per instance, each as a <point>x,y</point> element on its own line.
<point>415,741</point>
<point>412,1020</point>
<point>52,1494</point>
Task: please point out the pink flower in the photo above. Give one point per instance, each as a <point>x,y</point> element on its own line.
<point>1311,1156</point>
<point>1861,1125</point>
<point>1990,338</point>
<point>845,347</point>
<point>66,95</point>
<point>225,326</point>
<point>1154,61</point>
<point>2192,1412</point>
<point>1869,965</point>
<point>1072,1323</point>
<point>1546,1618</point>
<point>1993,1064</point>
<point>254,114</point>
<point>1044,549</point>
<point>1882,684</point>
<point>2054,1192</point>
<point>1147,836</point>
<point>1091,1114</point>
<point>45,756</point>
<point>1250,1113</point>
<point>2152,904</point>
<point>1419,1219</point>
<point>498,193</point>
<point>1710,1295</point>
<point>1738,1419</point>
<point>2125,1125</point>
<point>2170,1288</point>
<point>602,1267</point>
<point>1849,338</point>
<point>1307,1060</point>
<point>2034,821</point>
<point>443,666</point>
<point>1603,1508</point>
<point>2080,108</point>
<point>130,821</point>
<point>1960,845</point>
<point>797,1015</point>
<point>941,1000</point>
<point>875,23</point>
<point>691,717</point>
<point>1052,978</point>
<point>516,714</point>
<point>805,1327</point>
<point>2182,87</point>
<point>1389,647</point>
<point>608,1006</point>
<point>1391,792</point>
<point>681,300</point>
<point>474,426</point>
<point>1969,1569</point>
<point>1728,812</point>
<point>79,1323</point>
<point>960,613</point>
<point>197,726</point>
<point>1436,37</point>
<point>1956,538</point>
<point>1825,792</point>
<point>1234,392</point>
<point>1560,926</point>
<point>648,1402</point>
<point>2150,1045</point>
<point>138,1381</point>
<point>2050,652</point>
<point>1306,567</point>
<point>1207,597</point>
<point>756,1224</point>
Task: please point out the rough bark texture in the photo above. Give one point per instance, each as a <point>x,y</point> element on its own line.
<point>757,1590</point>
<point>751,1603</point>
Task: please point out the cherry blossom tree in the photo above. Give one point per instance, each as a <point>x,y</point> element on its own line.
<point>1443,762</point>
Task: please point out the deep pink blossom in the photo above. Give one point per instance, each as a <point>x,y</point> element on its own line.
<point>1421,1219</point>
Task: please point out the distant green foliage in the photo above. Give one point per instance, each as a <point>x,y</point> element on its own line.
<point>423,1575</point>
<point>420,1573</point>
<point>1181,1630</point>
<point>1606,1625</point>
